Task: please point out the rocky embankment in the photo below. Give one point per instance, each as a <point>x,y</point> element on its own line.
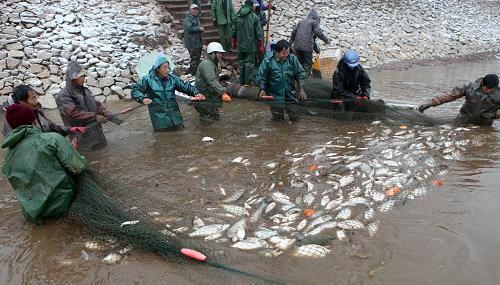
<point>39,37</point>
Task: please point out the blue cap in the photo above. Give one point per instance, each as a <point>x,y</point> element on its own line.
<point>351,58</point>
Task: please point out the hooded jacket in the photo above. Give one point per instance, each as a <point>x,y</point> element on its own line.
<point>192,32</point>
<point>39,168</point>
<point>278,78</point>
<point>350,82</point>
<point>222,15</point>
<point>78,108</point>
<point>164,110</point>
<point>247,30</point>
<point>304,34</point>
<point>207,80</point>
<point>478,109</point>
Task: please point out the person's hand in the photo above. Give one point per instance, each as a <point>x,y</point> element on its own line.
<point>366,97</point>
<point>260,47</point>
<point>74,143</point>
<point>423,107</point>
<point>116,120</point>
<point>75,130</point>
<point>202,29</point>
<point>357,101</point>
<point>226,98</point>
<point>198,97</point>
<point>146,101</point>
<point>262,93</point>
<point>100,119</point>
<point>302,94</point>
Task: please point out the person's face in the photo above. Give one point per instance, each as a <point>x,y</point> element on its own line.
<point>79,80</point>
<point>487,89</point>
<point>163,70</point>
<point>218,56</point>
<point>283,54</point>
<point>195,11</point>
<point>32,100</point>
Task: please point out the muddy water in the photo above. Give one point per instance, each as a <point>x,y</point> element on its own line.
<point>449,236</point>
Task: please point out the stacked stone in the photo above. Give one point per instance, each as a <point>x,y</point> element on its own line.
<point>39,37</point>
<point>387,31</point>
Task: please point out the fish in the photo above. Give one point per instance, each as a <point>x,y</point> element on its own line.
<point>235,196</point>
<point>213,237</point>
<point>419,192</point>
<point>310,186</point>
<point>237,231</point>
<point>281,198</point>
<point>302,224</point>
<point>344,214</point>
<point>312,250</point>
<point>373,228</point>
<point>249,244</point>
<point>93,245</point>
<point>222,191</point>
<point>112,258</point>
<point>350,225</point>
<point>318,221</point>
<point>181,229</point>
<point>319,229</point>
<point>369,213</point>
<point>356,201</point>
<point>325,200</point>
<point>237,160</point>
<point>209,230</point>
<point>281,242</point>
<point>250,136</point>
<point>270,207</point>
<point>192,169</point>
<point>207,139</point>
<point>334,203</point>
<point>346,180</point>
<point>387,205</point>
<point>235,210</point>
<point>377,196</point>
<point>258,213</point>
<point>83,255</point>
<point>128,223</point>
<point>271,252</point>
<point>309,198</point>
<point>341,235</point>
<point>198,222</point>
<point>271,165</point>
<point>263,233</point>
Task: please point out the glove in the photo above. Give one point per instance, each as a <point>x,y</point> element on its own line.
<point>198,97</point>
<point>260,47</point>
<point>116,120</point>
<point>357,101</point>
<point>233,42</point>
<point>366,97</point>
<point>423,107</point>
<point>100,119</point>
<point>226,98</point>
<point>302,95</point>
<point>75,130</point>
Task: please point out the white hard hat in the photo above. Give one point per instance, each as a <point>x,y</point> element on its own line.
<point>194,6</point>
<point>215,47</point>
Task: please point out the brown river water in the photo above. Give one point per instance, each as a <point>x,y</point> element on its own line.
<point>449,236</point>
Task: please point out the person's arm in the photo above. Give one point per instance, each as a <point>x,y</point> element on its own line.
<point>338,84</point>
<point>318,32</point>
<point>139,90</point>
<point>191,27</point>
<point>365,84</point>
<point>453,95</point>
<point>184,87</point>
<point>68,108</point>
<point>261,77</point>
<point>72,161</point>
<point>54,128</point>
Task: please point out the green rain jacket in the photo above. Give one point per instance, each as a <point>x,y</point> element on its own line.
<point>39,168</point>
<point>192,32</point>
<point>278,78</point>
<point>247,30</point>
<point>164,110</point>
<point>207,81</point>
<point>220,16</point>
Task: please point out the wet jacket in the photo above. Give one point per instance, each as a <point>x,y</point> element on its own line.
<point>207,80</point>
<point>192,32</point>
<point>304,34</point>
<point>479,108</point>
<point>42,122</point>
<point>247,30</point>
<point>220,14</point>
<point>278,78</point>
<point>39,168</point>
<point>350,82</point>
<point>164,110</point>
<point>78,108</point>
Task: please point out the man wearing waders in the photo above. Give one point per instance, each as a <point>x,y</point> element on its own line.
<point>248,38</point>
<point>192,37</point>
<point>79,108</point>
<point>39,166</point>
<point>278,75</point>
<point>302,39</point>
<point>482,101</point>
<point>207,81</point>
<point>222,15</point>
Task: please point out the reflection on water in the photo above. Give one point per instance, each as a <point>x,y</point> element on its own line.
<point>448,232</point>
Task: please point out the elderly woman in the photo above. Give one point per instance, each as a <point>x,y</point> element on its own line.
<point>157,90</point>
<point>24,94</point>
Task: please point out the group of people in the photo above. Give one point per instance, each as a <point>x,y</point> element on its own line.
<point>36,147</point>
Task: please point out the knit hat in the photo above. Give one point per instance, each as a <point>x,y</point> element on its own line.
<point>490,80</point>
<point>18,115</point>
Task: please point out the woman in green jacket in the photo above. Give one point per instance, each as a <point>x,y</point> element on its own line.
<point>157,90</point>
<point>39,167</point>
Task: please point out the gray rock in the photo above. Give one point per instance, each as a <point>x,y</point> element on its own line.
<point>48,101</point>
<point>95,91</point>
<point>12,62</point>
<point>14,46</point>
<point>33,32</point>
<point>36,68</point>
<point>118,91</point>
<point>7,90</point>
<point>16,54</point>
<point>88,32</point>
<point>106,91</point>
<point>44,74</point>
<point>70,18</point>
<point>106,82</point>
<point>91,81</point>
<point>44,55</point>
<point>3,54</point>
<point>34,82</point>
